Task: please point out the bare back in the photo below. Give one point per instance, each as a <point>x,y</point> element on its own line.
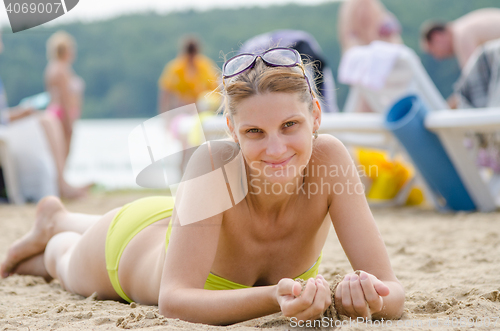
<point>64,86</point>
<point>473,30</point>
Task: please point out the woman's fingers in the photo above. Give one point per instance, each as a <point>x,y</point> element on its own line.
<point>358,297</point>
<point>319,304</point>
<point>361,295</point>
<point>327,286</point>
<point>380,287</point>
<point>374,300</point>
<point>288,286</point>
<point>299,304</point>
<point>346,296</point>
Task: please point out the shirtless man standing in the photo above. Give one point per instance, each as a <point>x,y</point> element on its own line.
<point>462,36</point>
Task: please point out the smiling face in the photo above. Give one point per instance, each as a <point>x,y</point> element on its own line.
<point>275,131</point>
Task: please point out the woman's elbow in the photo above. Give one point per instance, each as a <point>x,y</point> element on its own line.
<point>167,305</point>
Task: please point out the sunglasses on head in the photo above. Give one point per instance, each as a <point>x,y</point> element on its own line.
<point>274,57</point>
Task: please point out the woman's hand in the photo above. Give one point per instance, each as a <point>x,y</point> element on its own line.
<point>309,305</point>
<point>360,296</point>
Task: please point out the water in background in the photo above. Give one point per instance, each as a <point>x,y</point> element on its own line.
<point>100,154</point>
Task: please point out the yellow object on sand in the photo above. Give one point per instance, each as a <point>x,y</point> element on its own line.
<point>387,176</point>
<point>415,197</point>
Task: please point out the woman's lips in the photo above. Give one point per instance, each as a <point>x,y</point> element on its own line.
<point>279,163</point>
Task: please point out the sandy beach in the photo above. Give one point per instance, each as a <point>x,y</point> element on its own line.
<point>449,265</point>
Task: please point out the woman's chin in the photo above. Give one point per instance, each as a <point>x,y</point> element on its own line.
<point>281,177</point>
<point>270,175</point>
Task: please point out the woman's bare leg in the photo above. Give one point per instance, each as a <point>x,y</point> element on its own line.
<point>59,147</point>
<point>67,139</point>
<point>67,246</point>
<point>79,261</point>
<point>51,218</point>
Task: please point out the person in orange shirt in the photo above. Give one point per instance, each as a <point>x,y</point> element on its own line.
<point>185,78</point>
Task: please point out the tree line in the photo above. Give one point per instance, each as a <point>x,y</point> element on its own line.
<point>121,59</point>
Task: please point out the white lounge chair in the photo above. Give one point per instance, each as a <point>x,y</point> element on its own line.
<point>408,76</point>
<point>451,128</point>
<point>9,170</point>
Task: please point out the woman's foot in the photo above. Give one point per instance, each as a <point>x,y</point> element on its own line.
<point>34,266</point>
<point>34,242</point>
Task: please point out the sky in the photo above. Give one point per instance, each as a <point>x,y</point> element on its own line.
<point>91,10</point>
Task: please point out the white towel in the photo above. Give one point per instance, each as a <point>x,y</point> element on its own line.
<point>370,65</point>
<point>35,165</point>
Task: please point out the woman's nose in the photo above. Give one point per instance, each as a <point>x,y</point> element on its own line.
<point>275,146</point>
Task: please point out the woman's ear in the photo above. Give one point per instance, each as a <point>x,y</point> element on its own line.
<point>316,114</point>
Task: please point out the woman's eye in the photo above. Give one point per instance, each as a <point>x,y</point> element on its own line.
<point>289,124</point>
<point>253,131</point>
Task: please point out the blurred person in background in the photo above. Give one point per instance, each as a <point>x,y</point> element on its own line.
<point>186,78</point>
<point>363,21</point>
<point>63,85</point>
<point>479,87</point>
<point>53,131</point>
<point>460,37</point>
<point>363,25</point>
<point>479,84</point>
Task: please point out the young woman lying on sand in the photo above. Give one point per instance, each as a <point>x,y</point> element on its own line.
<point>249,253</point>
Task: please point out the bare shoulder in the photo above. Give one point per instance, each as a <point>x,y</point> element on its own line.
<point>330,150</point>
<point>210,156</point>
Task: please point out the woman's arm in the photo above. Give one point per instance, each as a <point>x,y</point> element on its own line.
<point>192,249</point>
<point>190,255</point>
<point>16,113</point>
<point>361,240</point>
<point>221,307</point>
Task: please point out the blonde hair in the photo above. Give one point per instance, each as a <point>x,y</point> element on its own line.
<point>58,45</point>
<point>264,79</point>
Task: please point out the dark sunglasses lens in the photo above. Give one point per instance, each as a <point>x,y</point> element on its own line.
<point>282,57</point>
<point>237,64</point>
